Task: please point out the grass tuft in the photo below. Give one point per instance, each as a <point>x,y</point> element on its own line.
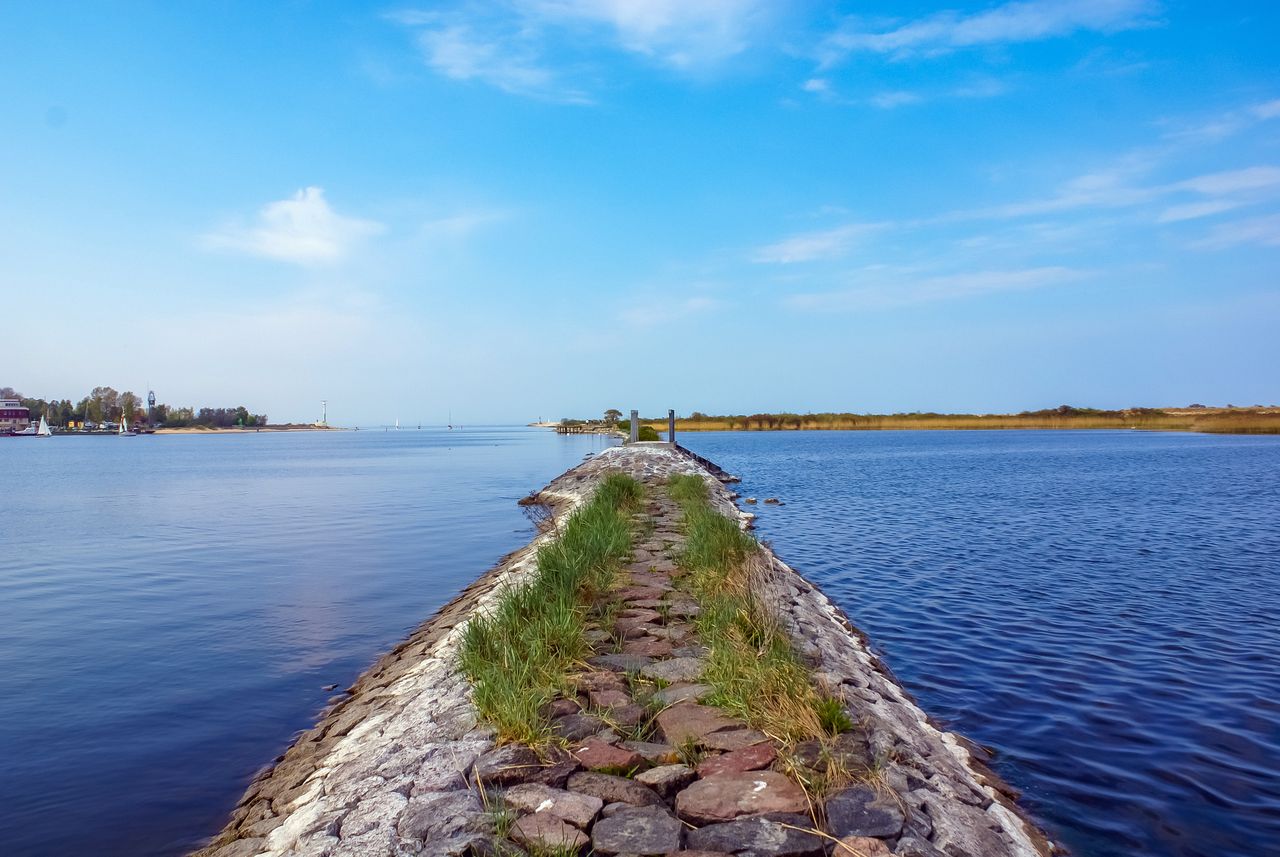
<point>517,656</point>
<point>756,673</point>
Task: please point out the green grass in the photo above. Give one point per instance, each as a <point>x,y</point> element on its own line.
<point>517,655</point>
<point>756,673</point>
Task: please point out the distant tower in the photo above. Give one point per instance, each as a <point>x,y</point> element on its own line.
<point>324,412</point>
<point>151,403</point>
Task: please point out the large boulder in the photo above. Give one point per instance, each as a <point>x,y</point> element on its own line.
<point>640,830</point>
<point>724,797</point>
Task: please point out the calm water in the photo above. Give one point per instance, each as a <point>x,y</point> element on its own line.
<point>1102,607</point>
<point>172,607</point>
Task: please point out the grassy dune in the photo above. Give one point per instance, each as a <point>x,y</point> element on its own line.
<point>1218,420</point>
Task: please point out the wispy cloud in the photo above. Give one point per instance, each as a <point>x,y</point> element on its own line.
<point>1010,23</point>
<point>815,246</point>
<point>302,229</point>
<point>503,60</point>
<point>1263,231</point>
<point>682,34</point>
<point>662,311</point>
<point>895,98</point>
<point>547,49</point>
<point>1224,124</point>
<point>878,290</point>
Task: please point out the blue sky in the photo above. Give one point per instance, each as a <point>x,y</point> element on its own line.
<point>548,207</point>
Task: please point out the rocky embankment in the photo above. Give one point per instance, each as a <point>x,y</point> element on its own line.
<point>641,763</point>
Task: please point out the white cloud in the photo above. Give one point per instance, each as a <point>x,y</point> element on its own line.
<point>1263,231</point>
<point>302,229</point>
<point>1196,210</point>
<point>1267,110</point>
<point>1232,181</point>
<point>887,291</point>
<point>815,246</point>
<point>1025,21</point>
<point>504,62</point>
<point>662,311</point>
<point>544,48</point>
<point>896,98</point>
<point>819,85</point>
<point>678,33</point>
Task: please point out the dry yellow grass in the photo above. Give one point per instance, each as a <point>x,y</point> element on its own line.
<point>1214,420</point>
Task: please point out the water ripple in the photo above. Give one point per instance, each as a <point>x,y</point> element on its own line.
<point>1102,607</point>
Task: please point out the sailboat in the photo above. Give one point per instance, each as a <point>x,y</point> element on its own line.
<point>124,428</point>
<point>34,431</point>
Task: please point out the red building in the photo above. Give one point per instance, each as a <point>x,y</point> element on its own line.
<point>13,417</point>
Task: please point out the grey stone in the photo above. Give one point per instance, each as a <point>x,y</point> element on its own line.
<point>575,727</point>
<point>643,830</point>
<point>547,833</point>
<point>682,692</point>
<point>913,846</point>
<point>507,765</point>
<point>577,809</point>
<point>241,848</point>
<point>862,811</point>
<point>675,670</point>
<point>611,789</point>
<point>621,663</point>
<point>450,821</point>
<point>666,780</point>
<point>657,753</point>
<point>773,836</point>
<point>733,739</point>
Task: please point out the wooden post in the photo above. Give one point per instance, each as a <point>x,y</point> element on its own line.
<point>635,426</point>
<point>671,426</point>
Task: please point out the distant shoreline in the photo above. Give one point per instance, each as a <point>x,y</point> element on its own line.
<point>246,429</point>
<point>1265,420</point>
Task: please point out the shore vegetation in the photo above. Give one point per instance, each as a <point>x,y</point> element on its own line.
<point>753,667</point>
<point>518,655</point>
<point>1257,419</point>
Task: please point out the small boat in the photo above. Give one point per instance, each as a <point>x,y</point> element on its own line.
<point>41,430</point>
<point>124,429</point>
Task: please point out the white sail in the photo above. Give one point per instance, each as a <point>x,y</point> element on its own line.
<point>43,431</point>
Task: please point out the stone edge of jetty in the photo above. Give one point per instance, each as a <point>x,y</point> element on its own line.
<point>387,769</point>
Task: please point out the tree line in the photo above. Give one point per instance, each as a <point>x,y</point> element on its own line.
<point>106,405</point>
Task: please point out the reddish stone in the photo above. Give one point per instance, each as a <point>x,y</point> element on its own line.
<point>751,758</point>
<point>632,627</point>
<point>648,646</point>
<point>626,716</point>
<point>610,698</point>
<point>724,797</point>
<point>631,593</point>
<point>687,720</point>
<point>598,681</point>
<point>596,755</point>
<point>561,707</point>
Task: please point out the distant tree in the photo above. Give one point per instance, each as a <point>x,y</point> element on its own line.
<point>106,404</point>
<point>9,393</point>
<point>130,405</point>
<point>697,415</point>
<point>612,416</point>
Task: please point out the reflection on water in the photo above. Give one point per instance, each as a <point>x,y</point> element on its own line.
<point>1102,607</point>
<point>172,607</point>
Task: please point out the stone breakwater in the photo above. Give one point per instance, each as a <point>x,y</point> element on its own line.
<point>403,766</point>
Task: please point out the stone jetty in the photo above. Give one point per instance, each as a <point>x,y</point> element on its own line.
<point>641,761</point>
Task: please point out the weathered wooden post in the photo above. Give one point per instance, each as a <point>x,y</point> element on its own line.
<point>635,426</point>
<point>671,426</point>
